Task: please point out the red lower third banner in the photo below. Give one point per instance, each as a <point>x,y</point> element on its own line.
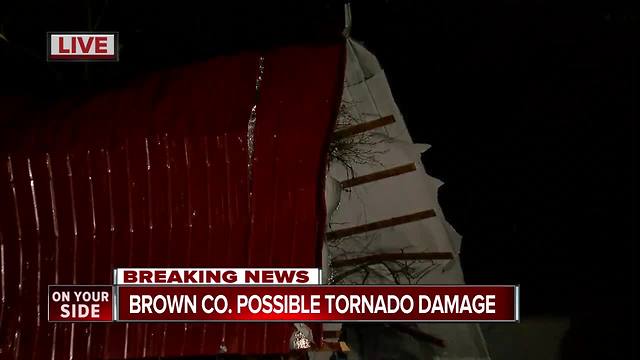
<point>317,303</point>
<point>321,303</point>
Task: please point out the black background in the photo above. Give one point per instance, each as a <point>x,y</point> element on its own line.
<point>528,105</point>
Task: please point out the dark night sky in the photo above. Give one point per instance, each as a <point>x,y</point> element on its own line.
<point>528,111</point>
<point>528,106</point>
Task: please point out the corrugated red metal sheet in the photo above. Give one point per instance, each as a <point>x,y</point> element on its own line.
<point>157,175</point>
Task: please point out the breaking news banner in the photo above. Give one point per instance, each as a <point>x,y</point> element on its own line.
<point>199,295</point>
<point>199,276</point>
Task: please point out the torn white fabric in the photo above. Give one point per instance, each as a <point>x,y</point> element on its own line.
<point>367,97</point>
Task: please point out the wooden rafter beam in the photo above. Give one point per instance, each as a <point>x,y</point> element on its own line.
<point>379,175</point>
<point>337,234</point>
<point>362,127</point>
<point>380,258</point>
